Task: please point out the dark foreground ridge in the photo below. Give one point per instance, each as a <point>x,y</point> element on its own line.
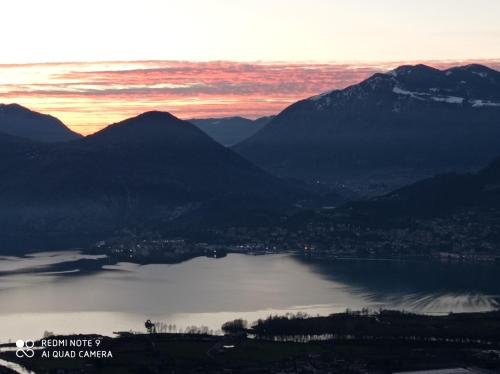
<point>351,342</point>
<point>153,170</point>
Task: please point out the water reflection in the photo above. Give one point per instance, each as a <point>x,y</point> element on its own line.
<point>422,286</point>
<point>54,261</point>
<point>41,292</point>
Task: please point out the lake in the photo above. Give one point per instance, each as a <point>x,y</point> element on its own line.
<point>68,292</point>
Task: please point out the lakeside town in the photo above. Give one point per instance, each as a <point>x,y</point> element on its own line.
<point>452,239</point>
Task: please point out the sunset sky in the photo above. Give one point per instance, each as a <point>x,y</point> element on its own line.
<point>201,58</point>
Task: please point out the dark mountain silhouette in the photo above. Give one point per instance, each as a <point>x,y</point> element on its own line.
<point>153,168</point>
<point>437,196</point>
<point>457,213</point>
<point>19,121</point>
<point>390,130</point>
<point>230,130</point>
<point>16,151</point>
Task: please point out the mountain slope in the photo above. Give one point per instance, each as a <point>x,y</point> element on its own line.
<point>454,216</point>
<point>438,196</point>
<point>16,151</point>
<point>387,131</point>
<point>230,130</point>
<point>20,121</point>
<point>151,169</point>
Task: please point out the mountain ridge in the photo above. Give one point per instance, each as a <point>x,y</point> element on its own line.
<point>20,121</point>
<point>230,130</point>
<point>153,169</point>
<point>386,131</point>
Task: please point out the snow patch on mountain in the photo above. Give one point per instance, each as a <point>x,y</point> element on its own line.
<point>448,99</point>
<point>482,74</point>
<point>427,96</point>
<point>481,103</point>
<point>415,95</point>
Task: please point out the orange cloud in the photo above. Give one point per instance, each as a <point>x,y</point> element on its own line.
<point>88,96</point>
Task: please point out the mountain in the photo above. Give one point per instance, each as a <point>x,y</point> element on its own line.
<point>19,121</point>
<point>449,213</point>
<point>15,151</point>
<point>152,169</point>
<point>438,196</point>
<point>448,216</point>
<point>387,131</point>
<point>230,130</point>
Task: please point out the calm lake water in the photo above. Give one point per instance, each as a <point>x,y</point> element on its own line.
<point>67,292</point>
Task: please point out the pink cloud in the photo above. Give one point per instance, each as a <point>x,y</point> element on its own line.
<point>88,96</point>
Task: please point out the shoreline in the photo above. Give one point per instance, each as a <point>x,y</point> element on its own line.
<point>404,341</point>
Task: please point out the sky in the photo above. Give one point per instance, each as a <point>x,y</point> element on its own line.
<point>95,62</point>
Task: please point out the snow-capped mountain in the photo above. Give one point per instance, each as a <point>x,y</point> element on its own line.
<point>388,130</point>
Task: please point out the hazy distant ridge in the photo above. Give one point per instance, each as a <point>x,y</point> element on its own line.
<point>230,130</point>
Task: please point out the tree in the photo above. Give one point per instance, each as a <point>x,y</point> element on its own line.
<point>232,327</point>
<point>150,326</point>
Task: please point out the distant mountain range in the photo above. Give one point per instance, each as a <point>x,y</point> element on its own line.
<point>230,130</point>
<point>19,121</point>
<point>153,169</point>
<point>390,130</point>
<point>157,172</point>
